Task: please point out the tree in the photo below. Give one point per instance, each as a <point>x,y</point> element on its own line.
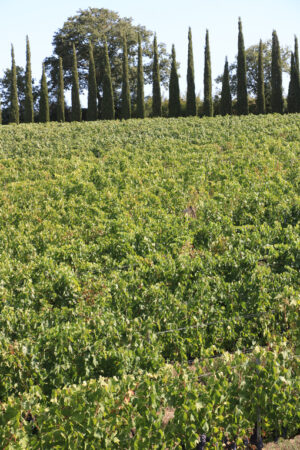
<point>92,87</point>
<point>0,112</point>
<point>29,114</point>
<point>208,103</point>
<point>297,73</point>
<point>276,76</point>
<point>126,102</point>
<point>14,105</point>
<point>226,102</point>
<point>44,115</point>
<point>242,98</point>
<point>156,96</point>
<point>97,26</point>
<point>76,109</point>
<point>174,93</point>
<point>140,104</point>
<point>190,96</point>
<point>108,109</point>
<point>60,94</point>
<point>294,89</point>
<point>260,99</point>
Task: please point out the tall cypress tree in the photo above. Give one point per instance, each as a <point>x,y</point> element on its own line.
<point>226,101</point>
<point>76,109</point>
<point>190,95</point>
<point>28,113</point>
<point>208,103</point>
<point>92,87</point>
<point>174,93</point>
<point>293,93</point>
<point>297,73</point>
<point>260,99</point>
<point>14,103</point>
<point>140,104</point>
<point>156,95</point>
<point>276,76</point>
<point>126,103</point>
<point>60,94</point>
<point>108,108</point>
<point>242,99</point>
<point>0,113</point>
<point>44,115</point>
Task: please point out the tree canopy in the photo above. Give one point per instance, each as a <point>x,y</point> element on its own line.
<point>97,26</point>
<point>252,54</point>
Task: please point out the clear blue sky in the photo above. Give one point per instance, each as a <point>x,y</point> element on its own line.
<point>169,18</point>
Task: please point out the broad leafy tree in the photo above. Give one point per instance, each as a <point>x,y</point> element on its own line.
<point>97,26</point>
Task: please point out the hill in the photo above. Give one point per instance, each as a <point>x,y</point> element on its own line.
<point>149,279</point>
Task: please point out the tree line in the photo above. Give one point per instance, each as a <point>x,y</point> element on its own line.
<point>133,104</point>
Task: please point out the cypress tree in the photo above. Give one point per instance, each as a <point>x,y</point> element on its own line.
<point>92,87</point>
<point>156,96</point>
<point>126,106</point>
<point>44,115</point>
<point>76,109</point>
<point>140,106</point>
<point>174,93</point>
<point>226,102</point>
<point>108,108</point>
<point>276,76</point>
<point>208,103</point>
<point>0,113</point>
<point>242,99</point>
<point>297,71</point>
<point>28,113</point>
<point>260,100</point>
<point>14,104</point>
<point>60,94</point>
<point>293,93</point>
<point>190,95</point>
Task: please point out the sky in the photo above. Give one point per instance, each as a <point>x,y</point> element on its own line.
<point>170,19</point>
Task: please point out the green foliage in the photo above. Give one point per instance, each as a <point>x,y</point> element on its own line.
<point>174,106</point>
<point>113,232</point>
<point>44,114</point>
<point>260,99</point>
<point>60,94</point>
<point>14,104</point>
<point>125,97</point>
<point>156,95</point>
<point>92,112</point>
<point>276,76</point>
<point>208,103</point>
<point>191,109</point>
<point>242,98</point>
<point>226,102</point>
<point>76,108</point>
<point>29,114</point>
<point>140,102</point>
<point>108,108</point>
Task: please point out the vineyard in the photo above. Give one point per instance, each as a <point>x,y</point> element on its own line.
<point>149,283</point>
